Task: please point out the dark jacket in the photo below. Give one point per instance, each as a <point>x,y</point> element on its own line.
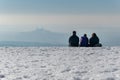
<point>74,41</point>
<point>93,41</point>
<point>84,41</point>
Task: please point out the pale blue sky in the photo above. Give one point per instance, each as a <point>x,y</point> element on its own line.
<point>58,15</point>
<point>60,6</point>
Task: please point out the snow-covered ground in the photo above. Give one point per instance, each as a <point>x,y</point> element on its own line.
<point>59,63</point>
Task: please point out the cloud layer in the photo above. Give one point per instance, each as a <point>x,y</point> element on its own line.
<point>59,19</point>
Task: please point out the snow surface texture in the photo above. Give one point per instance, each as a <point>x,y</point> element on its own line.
<point>59,63</point>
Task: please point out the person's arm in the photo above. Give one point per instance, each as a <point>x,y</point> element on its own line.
<point>77,39</point>
<point>98,40</point>
<point>80,39</point>
<point>89,40</point>
<point>69,40</point>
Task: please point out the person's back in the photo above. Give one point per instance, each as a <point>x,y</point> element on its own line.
<point>94,40</point>
<point>84,41</point>
<point>74,40</point>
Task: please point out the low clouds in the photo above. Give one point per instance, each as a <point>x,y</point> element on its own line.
<point>59,19</point>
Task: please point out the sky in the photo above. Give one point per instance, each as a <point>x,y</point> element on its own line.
<point>58,15</point>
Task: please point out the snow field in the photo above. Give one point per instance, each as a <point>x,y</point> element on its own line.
<point>59,63</point>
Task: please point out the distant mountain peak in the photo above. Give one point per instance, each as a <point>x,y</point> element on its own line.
<point>41,30</point>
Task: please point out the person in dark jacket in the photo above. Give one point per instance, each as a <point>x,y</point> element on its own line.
<point>84,41</point>
<point>74,40</point>
<point>94,40</point>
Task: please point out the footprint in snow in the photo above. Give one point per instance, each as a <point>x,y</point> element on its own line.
<point>110,78</point>
<point>76,78</point>
<point>2,76</point>
<point>66,70</point>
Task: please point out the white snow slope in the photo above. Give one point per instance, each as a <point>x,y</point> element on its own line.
<point>59,63</point>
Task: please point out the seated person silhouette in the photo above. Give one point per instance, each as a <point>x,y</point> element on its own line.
<point>94,41</point>
<point>84,41</point>
<point>74,40</point>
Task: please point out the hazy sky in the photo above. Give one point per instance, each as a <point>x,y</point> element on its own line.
<point>58,15</point>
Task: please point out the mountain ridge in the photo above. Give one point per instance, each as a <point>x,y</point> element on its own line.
<point>40,36</point>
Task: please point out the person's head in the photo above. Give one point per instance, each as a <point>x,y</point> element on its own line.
<point>74,32</point>
<point>94,35</point>
<point>85,35</point>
